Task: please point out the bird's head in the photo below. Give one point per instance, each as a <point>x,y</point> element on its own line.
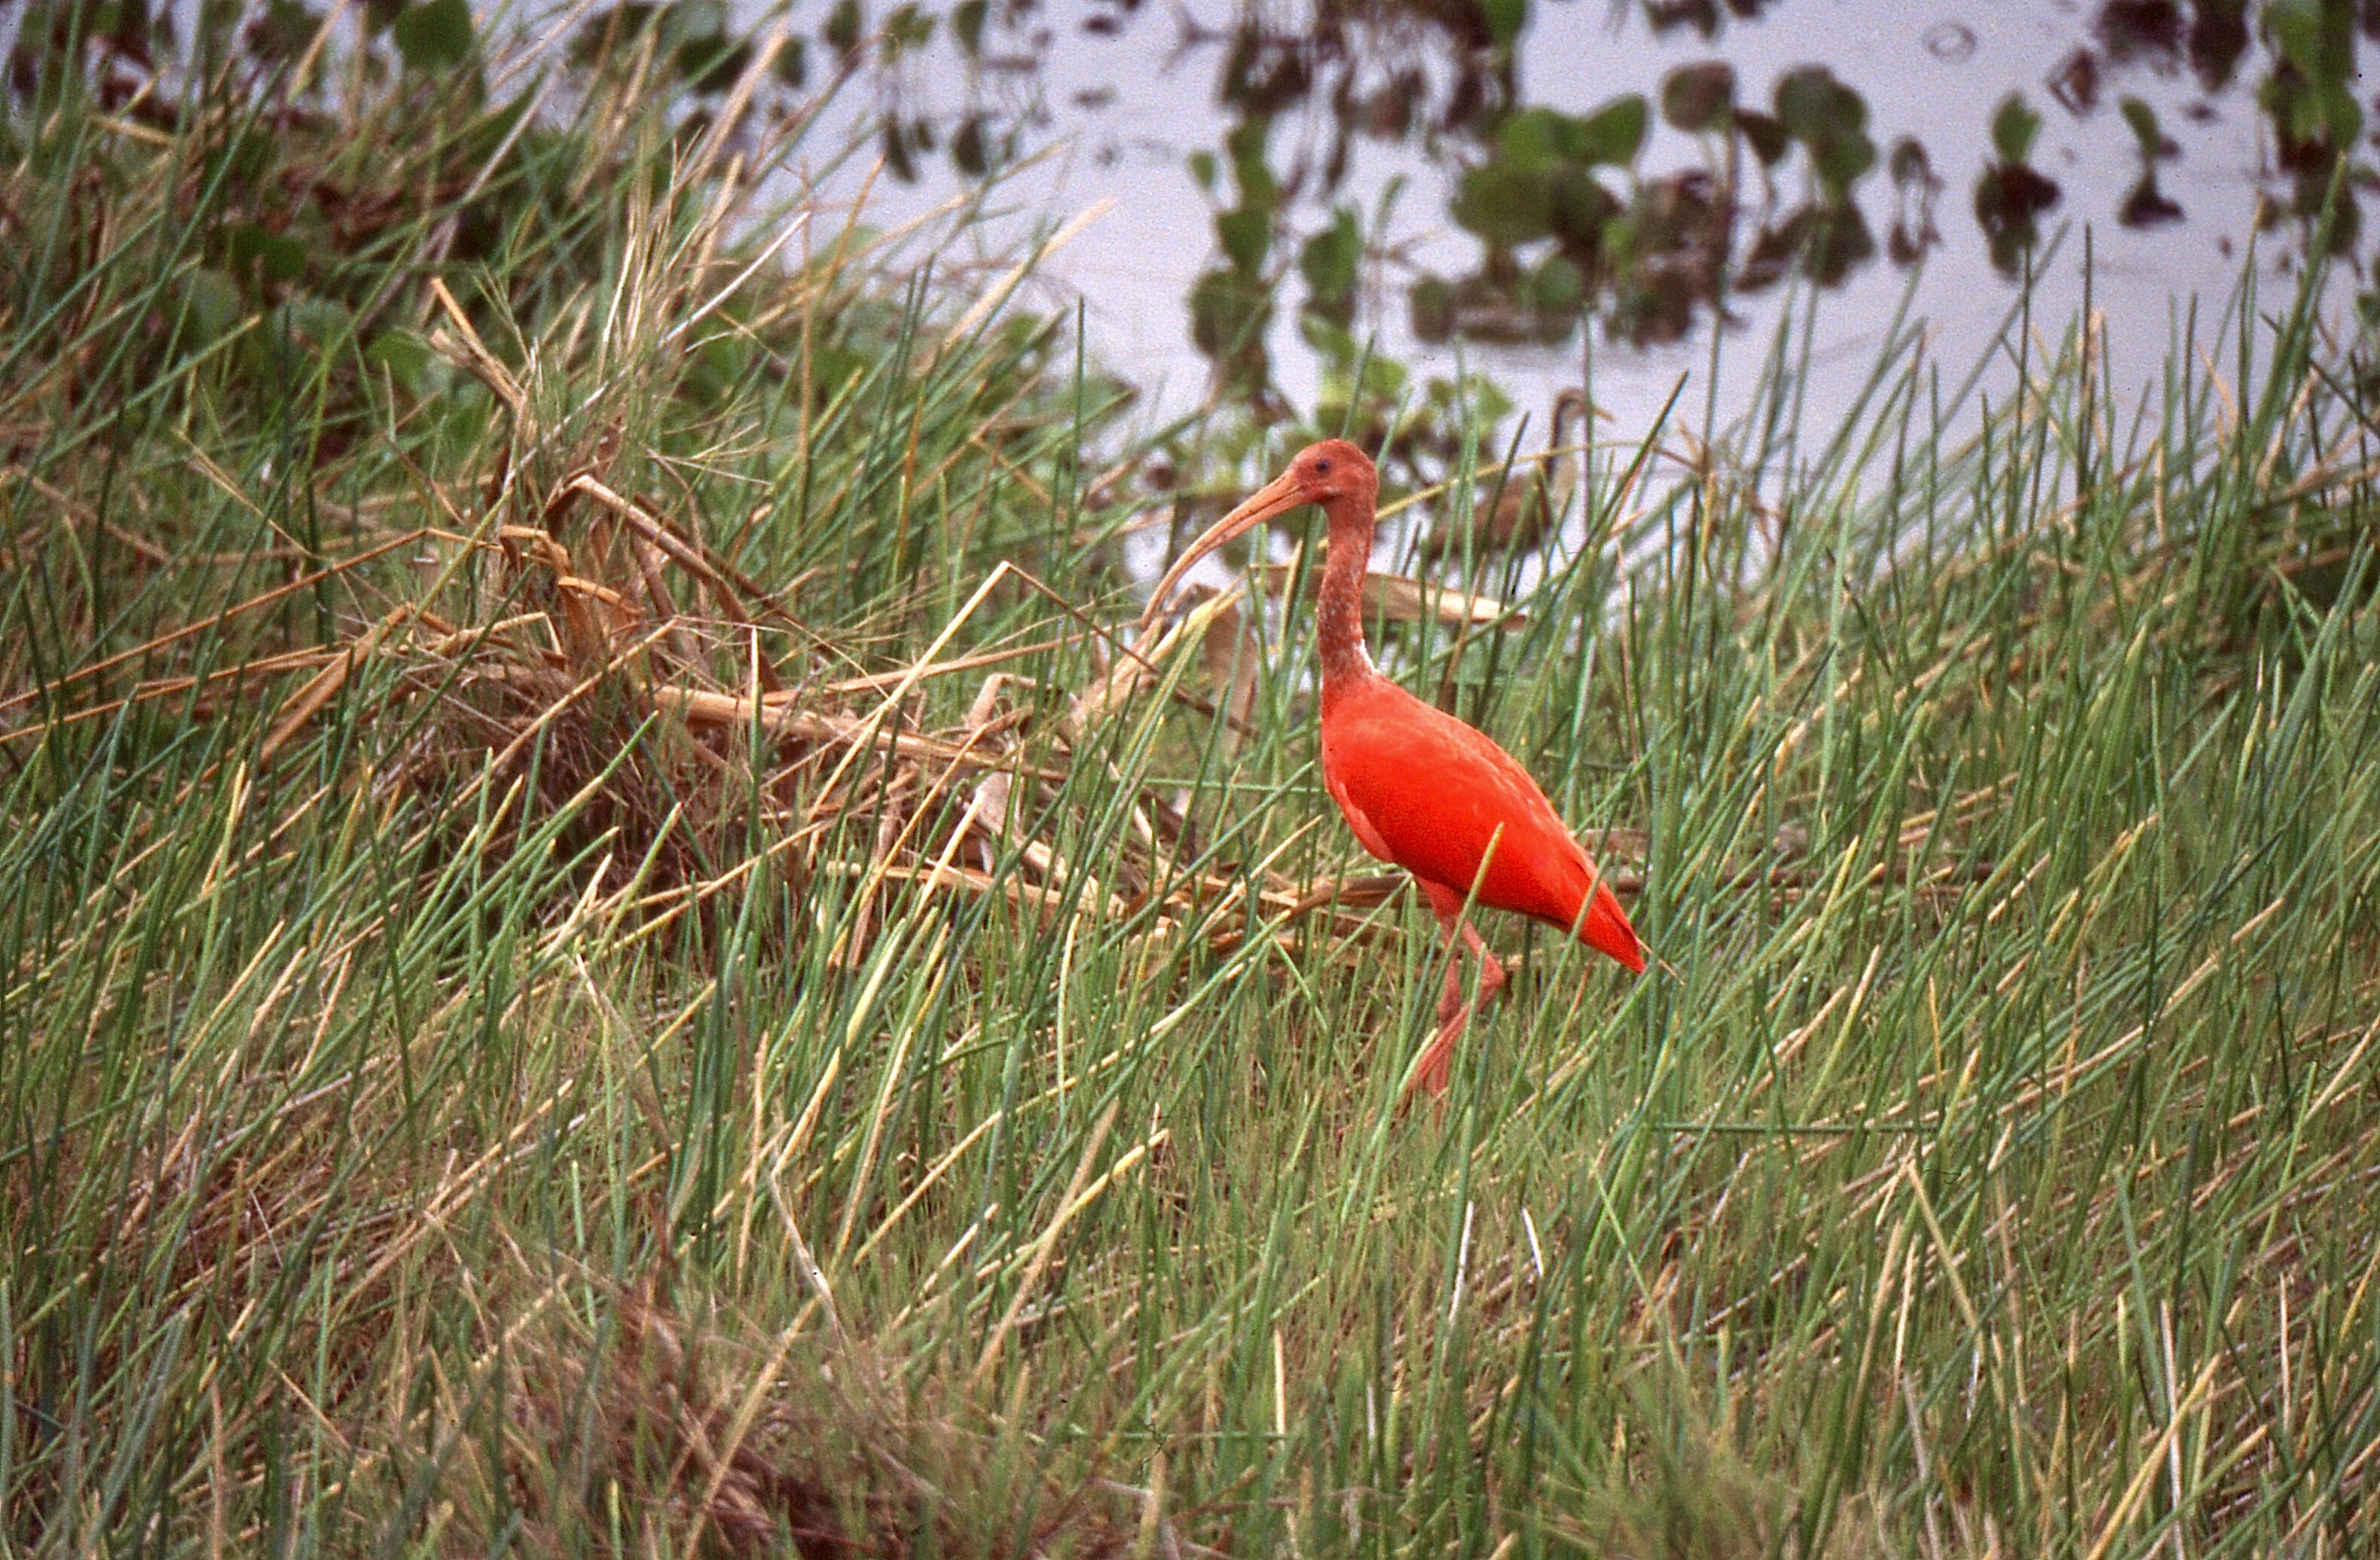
<point>1332,470</point>
<point>1333,473</point>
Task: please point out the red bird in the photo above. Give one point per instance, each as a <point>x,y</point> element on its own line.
<point>1420,788</point>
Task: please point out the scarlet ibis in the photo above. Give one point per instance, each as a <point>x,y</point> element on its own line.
<point>1420,788</point>
<point>1534,498</point>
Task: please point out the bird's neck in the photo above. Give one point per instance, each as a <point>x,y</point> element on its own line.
<point>1338,613</point>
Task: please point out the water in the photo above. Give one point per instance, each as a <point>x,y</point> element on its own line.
<point>1125,111</point>
<point>1116,98</point>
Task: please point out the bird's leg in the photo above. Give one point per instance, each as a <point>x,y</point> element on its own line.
<point>1436,1063</point>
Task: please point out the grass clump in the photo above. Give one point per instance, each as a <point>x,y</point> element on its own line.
<point>605,954</point>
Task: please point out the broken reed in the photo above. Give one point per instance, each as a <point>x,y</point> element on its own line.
<point>608,953</point>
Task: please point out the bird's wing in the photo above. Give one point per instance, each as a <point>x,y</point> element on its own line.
<point>1425,791</point>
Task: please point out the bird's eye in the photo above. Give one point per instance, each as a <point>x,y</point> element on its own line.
<point>1322,467</point>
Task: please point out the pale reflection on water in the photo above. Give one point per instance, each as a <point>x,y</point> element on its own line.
<point>1932,71</point>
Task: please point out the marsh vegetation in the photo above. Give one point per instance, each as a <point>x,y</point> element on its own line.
<point>607,952</point>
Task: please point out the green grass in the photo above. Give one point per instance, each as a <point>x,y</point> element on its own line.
<point>460,1090</point>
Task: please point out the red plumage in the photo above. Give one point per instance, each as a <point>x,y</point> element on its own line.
<point>1433,795</point>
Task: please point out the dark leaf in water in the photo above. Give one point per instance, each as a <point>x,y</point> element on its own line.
<point>2143,33</point>
<point>1771,259</point>
<point>1825,243</point>
<point>1908,167</point>
<point>712,65</point>
<point>1698,96</point>
<point>2147,206</point>
<point>2075,84</point>
<point>1652,309</point>
<point>1388,113</point>
<point>897,161</point>
<point>1535,139</point>
<point>2015,127</point>
<point>2009,197</point>
<point>791,64</point>
<point>843,27</point>
<point>1667,16</point>
<point>607,30</point>
<point>967,148</point>
<point>1263,74</point>
<point>1842,161</point>
<point>1838,242</point>
<point>1813,106</point>
<point>1830,120</point>
<point>2311,204</point>
<point>966,25</point>
<point>2218,36</point>
<point>1765,135</point>
<point>1579,210</point>
<point>1334,162</point>
<point>1203,169</point>
<point>2315,37</point>
<point>1500,303</point>
<point>1909,243</point>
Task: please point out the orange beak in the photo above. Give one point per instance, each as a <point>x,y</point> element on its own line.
<point>1278,496</point>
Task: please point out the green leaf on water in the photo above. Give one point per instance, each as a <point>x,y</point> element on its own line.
<point>1505,18</point>
<point>1332,258</point>
<point>1559,286</point>
<point>1245,233</point>
<point>2014,128</point>
<point>2146,132</point>
<point>1532,138</point>
<point>1503,205</point>
<point>1815,107</point>
<point>432,34</point>
<point>1613,133</point>
<point>1432,302</point>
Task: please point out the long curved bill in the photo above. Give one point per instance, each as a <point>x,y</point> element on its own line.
<point>1276,497</point>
